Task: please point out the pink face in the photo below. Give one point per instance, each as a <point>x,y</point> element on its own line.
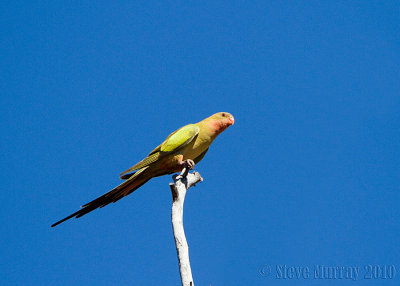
<point>222,121</point>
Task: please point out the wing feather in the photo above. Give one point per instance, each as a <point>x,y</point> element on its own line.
<point>174,142</point>
<point>180,138</point>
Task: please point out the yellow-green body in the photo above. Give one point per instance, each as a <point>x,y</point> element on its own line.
<point>190,142</point>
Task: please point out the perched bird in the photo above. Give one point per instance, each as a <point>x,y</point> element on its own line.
<point>183,148</point>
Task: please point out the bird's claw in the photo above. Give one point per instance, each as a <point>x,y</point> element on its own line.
<point>189,164</point>
<point>186,166</point>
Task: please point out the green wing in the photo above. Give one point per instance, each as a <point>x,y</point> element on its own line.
<point>174,142</point>
<point>183,135</point>
<point>180,138</point>
<point>157,149</point>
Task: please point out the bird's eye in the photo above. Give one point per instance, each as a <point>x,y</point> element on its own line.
<point>223,114</point>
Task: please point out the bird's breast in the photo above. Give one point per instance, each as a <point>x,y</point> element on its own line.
<point>197,147</point>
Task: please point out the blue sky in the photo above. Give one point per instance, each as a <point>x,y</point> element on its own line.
<point>308,175</point>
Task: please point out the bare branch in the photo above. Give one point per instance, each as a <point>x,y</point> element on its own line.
<point>178,189</point>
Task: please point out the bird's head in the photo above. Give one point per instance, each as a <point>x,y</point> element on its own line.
<point>222,120</point>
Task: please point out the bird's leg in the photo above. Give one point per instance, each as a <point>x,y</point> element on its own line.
<point>186,166</point>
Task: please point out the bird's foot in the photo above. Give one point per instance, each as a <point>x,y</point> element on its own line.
<point>186,166</point>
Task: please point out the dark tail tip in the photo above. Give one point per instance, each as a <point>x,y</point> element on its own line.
<point>64,219</point>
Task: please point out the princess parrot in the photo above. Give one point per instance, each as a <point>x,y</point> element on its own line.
<point>183,148</point>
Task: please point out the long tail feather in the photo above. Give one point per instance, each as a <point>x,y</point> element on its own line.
<point>124,189</point>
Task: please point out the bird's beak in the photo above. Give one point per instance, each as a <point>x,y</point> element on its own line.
<point>231,120</point>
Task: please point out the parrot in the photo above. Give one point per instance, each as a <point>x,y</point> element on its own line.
<point>181,149</point>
